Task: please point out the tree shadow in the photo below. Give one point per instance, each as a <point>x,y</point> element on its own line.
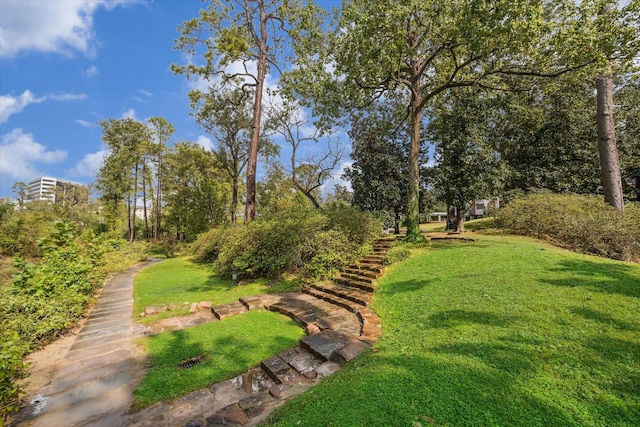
<point>604,318</point>
<point>453,318</point>
<point>609,278</point>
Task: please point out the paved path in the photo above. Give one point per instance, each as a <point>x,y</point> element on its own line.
<point>93,385</point>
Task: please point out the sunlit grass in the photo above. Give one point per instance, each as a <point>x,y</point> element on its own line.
<point>229,348</point>
<point>502,331</point>
<point>179,280</point>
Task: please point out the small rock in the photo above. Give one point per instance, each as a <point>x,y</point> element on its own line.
<point>142,314</point>
<point>229,415</point>
<point>149,311</point>
<point>310,374</point>
<point>204,305</point>
<point>278,390</point>
<point>312,328</point>
<point>194,307</point>
<point>171,307</point>
<point>162,309</point>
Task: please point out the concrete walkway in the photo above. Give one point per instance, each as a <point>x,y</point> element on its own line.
<point>93,385</point>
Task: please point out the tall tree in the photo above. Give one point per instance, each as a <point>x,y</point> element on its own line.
<point>241,39</point>
<point>196,190</point>
<point>161,131</point>
<point>424,48</point>
<point>547,137</point>
<point>226,115</point>
<point>119,176</point>
<point>378,174</point>
<point>466,164</point>
<point>620,44</point>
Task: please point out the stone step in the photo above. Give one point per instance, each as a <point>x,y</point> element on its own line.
<point>226,310</point>
<point>372,259</point>
<point>362,272</point>
<point>349,352</point>
<point>335,295</point>
<point>374,268</point>
<point>369,287</point>
<point>358,277</point>
<point>324,343</point>
<point>371,329</point>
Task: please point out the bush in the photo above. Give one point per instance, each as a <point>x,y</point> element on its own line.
<point>48,298</point>
<point>582,223</point>
<point>316,243</point>
<point>396,254</point>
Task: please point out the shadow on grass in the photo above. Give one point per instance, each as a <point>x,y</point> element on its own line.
<point>453,318</point>
<point>608,278</point>
<point>604,318</point>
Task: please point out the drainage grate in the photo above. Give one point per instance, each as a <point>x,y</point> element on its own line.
<point>191,362</point>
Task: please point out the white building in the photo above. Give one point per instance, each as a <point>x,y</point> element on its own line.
<point>47,188</point>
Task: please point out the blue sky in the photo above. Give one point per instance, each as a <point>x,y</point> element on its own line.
<point>65,65</point>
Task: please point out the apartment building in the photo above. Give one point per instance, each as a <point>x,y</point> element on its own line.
<point>56,190</point>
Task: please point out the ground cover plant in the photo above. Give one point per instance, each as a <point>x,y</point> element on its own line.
<point>48,296</point>
<point>180,280</point>
<point>228,347</point>
<point>500,331</point>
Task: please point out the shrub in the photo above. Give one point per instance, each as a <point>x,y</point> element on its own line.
<point>396,254</point>
<point>315,242</point>
<point>48,298</point>
<point>582,223</point>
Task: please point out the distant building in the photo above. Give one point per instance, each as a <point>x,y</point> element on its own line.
<point>56,190</point>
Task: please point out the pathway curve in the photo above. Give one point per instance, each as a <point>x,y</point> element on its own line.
<point>93,384</point>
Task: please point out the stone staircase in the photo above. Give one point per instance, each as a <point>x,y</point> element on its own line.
<point>339,324</point>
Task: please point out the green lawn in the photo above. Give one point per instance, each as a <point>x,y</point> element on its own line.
<point>503,331</point>
<point>230,347</point>
<point>179,280</point>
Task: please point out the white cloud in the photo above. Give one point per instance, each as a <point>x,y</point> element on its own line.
<point>205,142</point>
<point>19,154</point>
<point>67,97</point>
<point>145,92</point>
<point>91,72</point>
<point>129,114</point>
<point>61,26</point>
<point>10,105</point>
<point>89,165</point>
<point>85,123</point>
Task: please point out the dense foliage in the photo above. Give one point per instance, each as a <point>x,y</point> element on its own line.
<point>314,242</point>
<point>48,297</point>
<point>583,223</point>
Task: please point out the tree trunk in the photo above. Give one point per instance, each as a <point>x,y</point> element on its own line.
<point>144,200</point>
<point>459,221</point>
<point>451,217</point>
<point>413,191</point>
<point>234,200</point>
<point>132,217</point>
<point>156,232</point>
<point>252,162</point>
<point>609,163</point>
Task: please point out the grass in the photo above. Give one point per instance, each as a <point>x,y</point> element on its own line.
<point>503,331</point>
<point>230,347</point>
<point>179,280</point>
